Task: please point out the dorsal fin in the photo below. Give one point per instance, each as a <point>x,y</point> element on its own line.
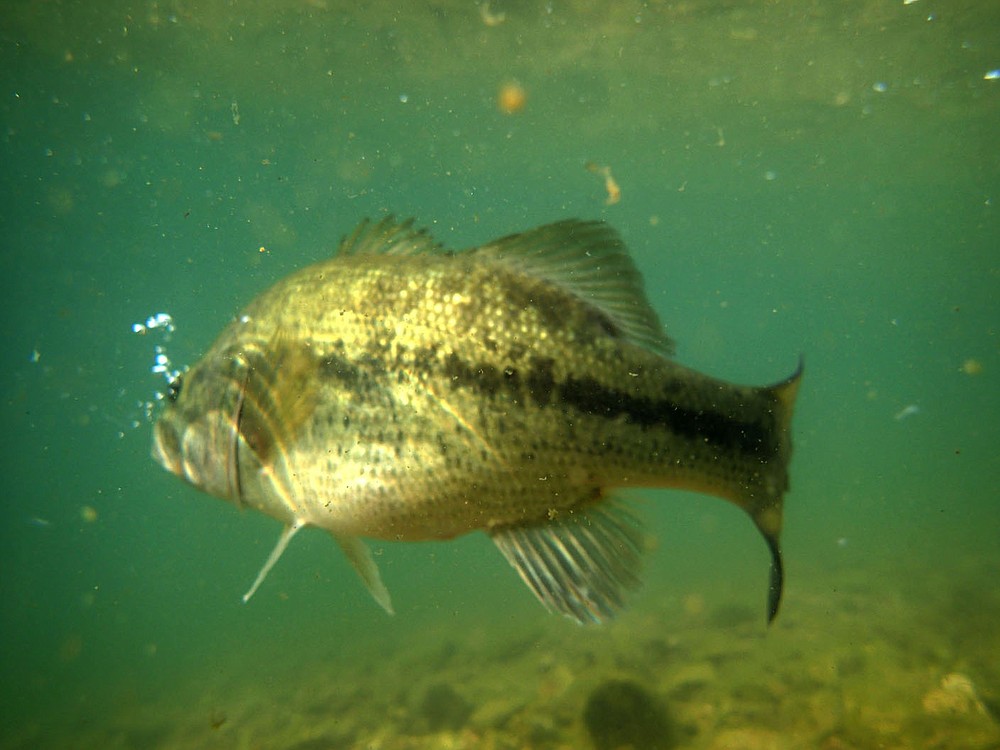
<point>589,260</point>
<point>387,237</point>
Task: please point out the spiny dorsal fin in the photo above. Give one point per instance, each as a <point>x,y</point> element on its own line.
<point>581,562</point>
<point>387,237</point>
<point>587,259</point>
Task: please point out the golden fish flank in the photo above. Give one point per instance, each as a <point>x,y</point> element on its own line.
<point>405,392</point>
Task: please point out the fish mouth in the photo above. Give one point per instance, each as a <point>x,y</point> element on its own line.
<point>189,452</point>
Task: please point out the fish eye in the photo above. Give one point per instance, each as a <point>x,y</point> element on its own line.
<point>174,388</point>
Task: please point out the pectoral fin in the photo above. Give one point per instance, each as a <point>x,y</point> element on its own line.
<point>361,560</point>
<point>579,563</point>
<point>277,397</point>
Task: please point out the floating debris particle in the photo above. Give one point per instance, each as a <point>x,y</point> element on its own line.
<point>614,190</point>
<point>511,98</point>
<point>972,367</point>
<point>489,17</point>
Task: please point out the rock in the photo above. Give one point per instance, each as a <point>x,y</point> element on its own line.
<point>621,713</point>
<point>443,708</point>
<point>956,696</point>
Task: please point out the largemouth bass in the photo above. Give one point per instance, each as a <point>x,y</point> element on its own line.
<point>402,391</point>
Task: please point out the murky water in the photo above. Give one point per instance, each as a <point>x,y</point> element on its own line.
<point>816,179</point>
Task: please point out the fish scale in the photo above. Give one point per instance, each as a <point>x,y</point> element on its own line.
<point>402,391</point>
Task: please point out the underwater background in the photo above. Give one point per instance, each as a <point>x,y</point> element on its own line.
<point>797,178</point>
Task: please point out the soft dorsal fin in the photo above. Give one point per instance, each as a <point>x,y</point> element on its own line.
<point>387,237</point>
<point>589,260</point>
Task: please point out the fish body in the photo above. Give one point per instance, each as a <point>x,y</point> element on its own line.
<point>405,392</point>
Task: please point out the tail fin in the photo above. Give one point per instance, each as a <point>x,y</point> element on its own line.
<point>768,512</point>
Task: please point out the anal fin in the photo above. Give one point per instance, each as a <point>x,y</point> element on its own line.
<point>580,563</point>
<point>361,560</point>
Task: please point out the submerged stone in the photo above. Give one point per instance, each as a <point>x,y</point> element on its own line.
<point>621,714</point>
<point>444,708</point>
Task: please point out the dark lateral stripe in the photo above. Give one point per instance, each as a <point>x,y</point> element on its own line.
<point>727,432</point>
<point>341,369</point>
<point>589,396</point>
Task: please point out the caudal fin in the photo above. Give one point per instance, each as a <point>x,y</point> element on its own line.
<point>767,512</point>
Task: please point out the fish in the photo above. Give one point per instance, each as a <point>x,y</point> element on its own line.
<point>402,391</point>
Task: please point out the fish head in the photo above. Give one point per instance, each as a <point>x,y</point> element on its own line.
<point>198,434</point>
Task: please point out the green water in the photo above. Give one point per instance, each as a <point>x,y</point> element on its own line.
<point>818,179</point>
